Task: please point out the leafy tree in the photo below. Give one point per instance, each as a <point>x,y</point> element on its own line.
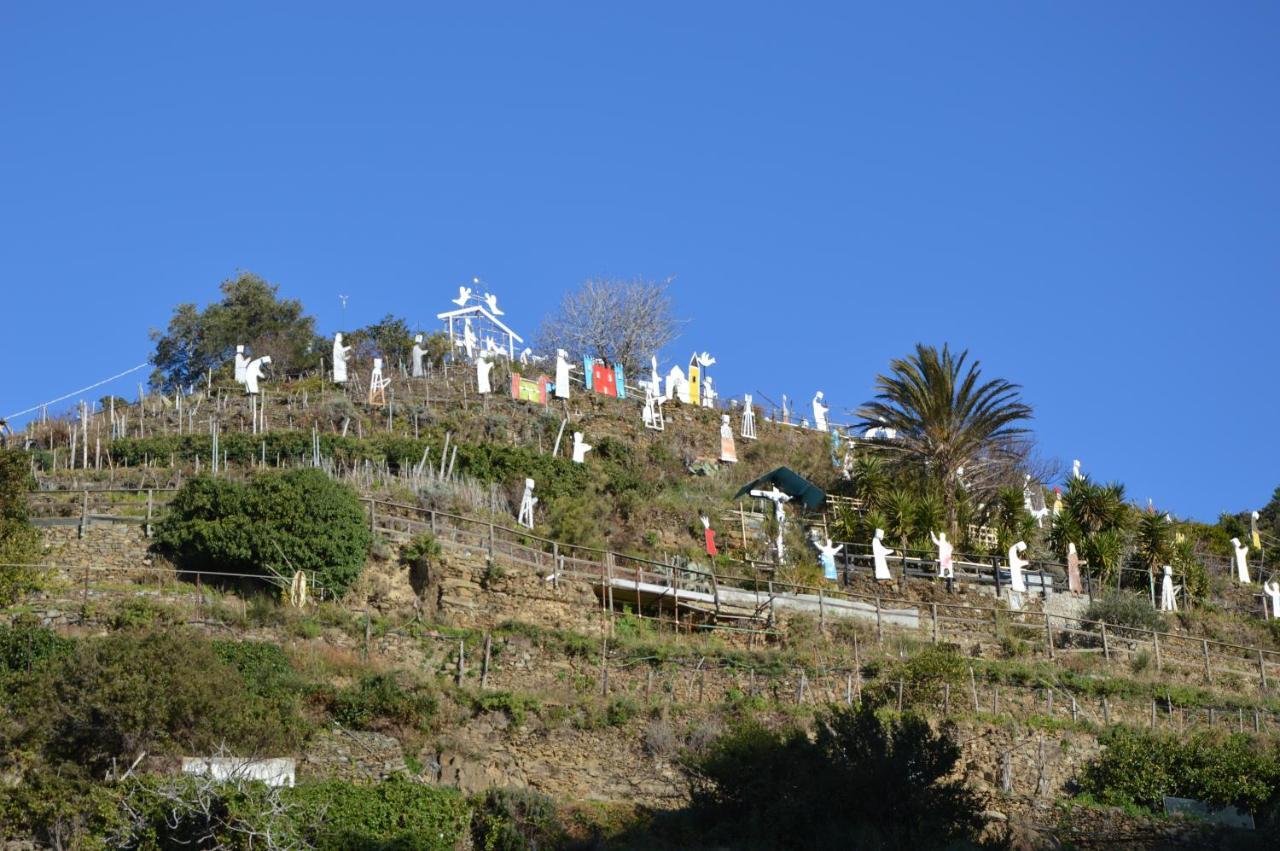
<point>275,524</point>
<point>250,313</point>
<point>859,782</point>
<point>389,338</point>
<point>19,542</point>
<point>1097,520</point>
<point>623,322</point>
<point>948,418</point>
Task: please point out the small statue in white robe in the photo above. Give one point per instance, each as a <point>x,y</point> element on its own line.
<point>1075,469</point>
<point>1073,570</point>
<point>341,356</point>
<point>1168,591</point>
<point>242,364</point>
<point>779,499</point>
<point>562,374</point>
<point>880,555</point>
<point>1016,564</point>
<point>1272,590</point>
<point>820,412</point>
<point>484,366</point>
<point>1241,559</point>
<point>827,556</point>
<point>580,448</point>
<point>677,385</point>
<point>469,340</point>
<point>253,374</point>
<point>728,451</point>
<point>946,566</point>
<point>527,503</point>
<point>419,354</point>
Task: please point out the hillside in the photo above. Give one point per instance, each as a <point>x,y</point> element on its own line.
<point>594,663</point>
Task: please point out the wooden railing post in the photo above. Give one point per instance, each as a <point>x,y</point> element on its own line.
<point>84,513</point>
<point>1048,635</point>
<point>1262,668</point>
<point>933,610</point>
<point>1106,649</point>
<point>1155,642</point>
<point>149,511</point>
<point>1208,675</point>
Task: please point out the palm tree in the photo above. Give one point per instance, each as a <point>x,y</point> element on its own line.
<point>946,417</point>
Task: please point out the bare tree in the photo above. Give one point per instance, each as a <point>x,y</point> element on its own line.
<point>621,321</point>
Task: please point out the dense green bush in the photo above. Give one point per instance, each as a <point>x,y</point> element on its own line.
<point>858,782</point>
<point>515,820</point>
<point>108,699</point>
<point>25,646</point>
<point>19,542</point>
<point>275,524</point>
<point>1141,768</point>
<point>382,701</point>
<point>1124,609</point>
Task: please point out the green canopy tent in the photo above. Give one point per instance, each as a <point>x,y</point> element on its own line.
<point>794,485</point>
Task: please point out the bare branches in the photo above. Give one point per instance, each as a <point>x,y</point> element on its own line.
<point>623,322</point>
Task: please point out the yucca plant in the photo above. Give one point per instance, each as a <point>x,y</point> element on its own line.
<point>1153,540</point>
<point>946,416</point>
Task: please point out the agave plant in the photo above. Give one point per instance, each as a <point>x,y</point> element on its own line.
<point>1153,540</point>
<point>946,416</point>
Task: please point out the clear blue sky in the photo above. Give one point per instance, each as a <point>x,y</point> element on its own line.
<point>1086,195</point>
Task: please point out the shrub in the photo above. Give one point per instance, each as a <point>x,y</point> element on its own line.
<point>276,524</point>
<point>381,701</point>
<point>1141,768</point>
<point>1122,609</point>
<point>19,542</point>
<point>771,789</point>
<point>515,820</point>
<point>516,706</point>
<point>25,646</point>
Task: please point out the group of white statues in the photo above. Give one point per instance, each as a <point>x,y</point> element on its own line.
<point>248,371</point>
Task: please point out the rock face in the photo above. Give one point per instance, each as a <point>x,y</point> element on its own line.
<point>121,548</point>
<point>352,755</point>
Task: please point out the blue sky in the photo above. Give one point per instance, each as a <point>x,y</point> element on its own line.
<point>1086,195</point>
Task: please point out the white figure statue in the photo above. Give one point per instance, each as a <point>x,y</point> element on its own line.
<point>880,555</point>
<point>1254,538</point>
<point>469,338</point>
<point>242,363</point>
<point>484,366</point>
<point>378,384</point>
<point>1169,591</point>
<point>707,397</point>
<point>946,567</point>
<point>253,374</point>
<point>881,432</point>
<point>779,499</point>
<point>492,300</point>
<point>580,448</point>
<point>1242,564</point>
<point>1075,469</point>
<point>527,502</point>
<point>1073,570</point>
<point>341,355</point>
<point>827,556</point>
<point>1272,590</point>
<point>728,452</point>
<point>819,412</point>
<point>562,374</point>
<point>1016,563</point>
<point>655,380</point>
<point>464,295</point>
<point>748,419</point>
<point>418,354</point>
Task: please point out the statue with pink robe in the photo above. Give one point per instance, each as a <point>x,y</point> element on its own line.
<point>1073,570</point>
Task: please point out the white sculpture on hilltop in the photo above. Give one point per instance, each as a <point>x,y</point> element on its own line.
<point>253,374</point>
<point>418,354</point>
<point>946,567</point>
<point>880,556</point>
<point>580,448</point>
<point>779,499</point>
<point>527,502</point>
<point>492,300</point>
<point>1272,590</point>
<point>242,364</point>
<point>820,412</point>
<point>1016,564</point>
<point>1168,591</point>
<point>562,374</point>
<point>341,355</point>
<point>728,451</point>
<point>655,380</point>
<point>484,366</point>
<point>748,419</point>
<point>469,339</point>
<point>827,556</point>
<point>708,394</point>
<point>464,295</point>
<point>1241,558</point>
<point>378,384</point>
<point>1075,469</point>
